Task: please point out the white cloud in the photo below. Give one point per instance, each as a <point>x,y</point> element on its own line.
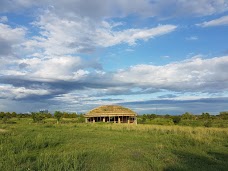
<point>58,68</point>
<point>48,66</point>
<point>47,75</point>
<point>130,36</point>
<point>82,35</point>
<point>11,92</point>
<point>95,9</point>
<point>53,68</point>
<point>217,22</point>
<point>3,19</point>
<point>18,5</point>
<point>62,36</point>
<point>197,8</point>
<point>99,9</point>
<point>165,57</point>
<point>192,38</point>
<point>191,75</point>
<point>129,50</point>
<point>11,40</point>
<point>11,34</point>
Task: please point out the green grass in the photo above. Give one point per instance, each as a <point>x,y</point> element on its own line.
<point>213,123</point>
<point>71,146</point>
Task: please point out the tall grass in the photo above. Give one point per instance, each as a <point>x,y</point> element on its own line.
<point>71,146</point>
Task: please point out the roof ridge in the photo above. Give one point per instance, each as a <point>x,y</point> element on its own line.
<point>111,109</point>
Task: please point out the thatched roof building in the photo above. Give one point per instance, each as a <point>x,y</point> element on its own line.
<point>111,113</point>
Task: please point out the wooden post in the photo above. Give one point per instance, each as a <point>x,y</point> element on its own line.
<point>128,120</point>
<point>118,119</point>
<point>103,119</point>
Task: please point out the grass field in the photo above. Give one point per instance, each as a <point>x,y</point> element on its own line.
<point>72,146</point>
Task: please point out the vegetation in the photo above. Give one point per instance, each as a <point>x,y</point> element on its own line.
<point>159,142</point>
<point>38,117</point>
<point>186,119</point>
<point>58,115</point>
<point>69,145</point>
<point>41,117</point>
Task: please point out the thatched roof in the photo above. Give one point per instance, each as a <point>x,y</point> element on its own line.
<point>110,110</point>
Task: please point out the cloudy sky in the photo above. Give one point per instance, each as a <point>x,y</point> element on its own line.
<point>154,56</point>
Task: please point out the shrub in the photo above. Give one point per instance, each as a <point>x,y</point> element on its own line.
<point>176,119</point>
<point>188,116</point>
<point>80,119</point>
<point>58,115</point>
<point>160,121</point>
<point>38,117</point>
<point>208,124</point>
<point>224,115</point>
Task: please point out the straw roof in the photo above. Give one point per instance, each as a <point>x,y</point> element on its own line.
<point>110,110</point>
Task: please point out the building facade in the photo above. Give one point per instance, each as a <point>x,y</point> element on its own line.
<point>111,114</point>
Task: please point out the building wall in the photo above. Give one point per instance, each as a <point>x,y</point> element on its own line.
<point>112,119</point>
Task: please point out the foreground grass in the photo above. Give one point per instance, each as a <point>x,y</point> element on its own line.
<point>29,146</point>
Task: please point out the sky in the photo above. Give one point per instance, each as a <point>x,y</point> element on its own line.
<point>153,56</point>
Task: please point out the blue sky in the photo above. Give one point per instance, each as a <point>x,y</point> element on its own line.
<point>152,56</point>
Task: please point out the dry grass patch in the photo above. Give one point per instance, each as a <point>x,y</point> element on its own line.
<point>3,130</point>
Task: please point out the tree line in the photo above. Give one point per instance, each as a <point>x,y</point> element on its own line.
<point>187,116</point>
<point>40,116</point>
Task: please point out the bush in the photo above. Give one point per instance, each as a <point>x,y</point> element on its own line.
<point>208,124</point>
<point>80,119</point>
<point>224,115</point>
<point>38,117</point>
<point>187,116</point>
<point>176,119</point>
<point>58,115</point>
<point>160,121</point>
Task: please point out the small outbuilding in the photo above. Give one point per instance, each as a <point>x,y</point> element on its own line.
<point>111,113</point>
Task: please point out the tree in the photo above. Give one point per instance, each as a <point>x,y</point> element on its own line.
<point>14,114</point>
<point>73,115</point>
<point>167,116</point>
<point>58,115</point>
<point>187,116</point>
<point>48,115</point>
<point>205,116</point>
<point>38,117</point>
<point>7,116</point>
<point>80,119</point>
<point>208,123</point>
<point>2,115</point>
<point>152,116</point>
<point>176,119</point>
<point>66,115</point>
<point>224,115</point>
<point>34,117</point>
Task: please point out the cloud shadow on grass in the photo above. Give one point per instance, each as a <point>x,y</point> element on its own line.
<point>197,162</point>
